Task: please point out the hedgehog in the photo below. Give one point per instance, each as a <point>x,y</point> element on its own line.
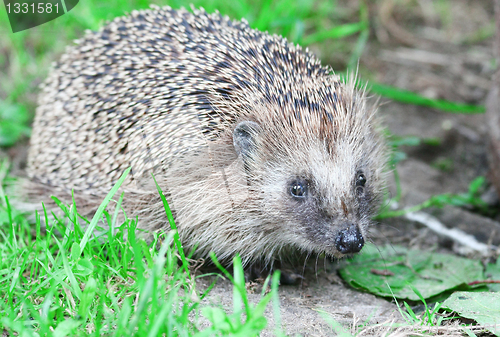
<point>260,149</point>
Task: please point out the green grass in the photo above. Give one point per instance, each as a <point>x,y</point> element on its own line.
<point>430,316</point>
<point>471,198</point>
<point>98,281</point>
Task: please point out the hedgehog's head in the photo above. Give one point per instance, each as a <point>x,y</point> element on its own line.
<point>315,169</point>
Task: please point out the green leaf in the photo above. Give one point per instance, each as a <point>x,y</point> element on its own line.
<point>173,226</point>
<point>84,267</point>
<point>261,307</point>
<point>75,286</point>
<point>218,318</point>
<point>123,317</point>
<point>483,307</point>
<point>100,210</point>
<point>64,328</point>
<point>336,32</point>
<point>476,185</point>
<point>464,199</point>
<point>75,251</point>
<point>427,272</point>
<point>493,272</point>
<point>397,141</point>
<point>159,321</point>
<point>276,303</point>
<point>409,97</point>
<point>87,297</point>
<point>239,290</point>
<point>398,156</point>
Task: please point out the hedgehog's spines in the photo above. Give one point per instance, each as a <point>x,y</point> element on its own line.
<point>162,91</point>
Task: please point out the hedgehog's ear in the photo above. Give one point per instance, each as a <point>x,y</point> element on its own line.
<point>244,136</point>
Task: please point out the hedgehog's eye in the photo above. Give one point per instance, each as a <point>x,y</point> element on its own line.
<point>360,179</point>
<point>360,183</point>
<point>298,188</point>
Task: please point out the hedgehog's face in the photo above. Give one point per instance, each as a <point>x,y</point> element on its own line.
<point>320,200</point>
<point>333,226</point>
<point>326,199</point>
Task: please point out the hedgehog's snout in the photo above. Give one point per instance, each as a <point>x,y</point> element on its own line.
<point>349,240</point>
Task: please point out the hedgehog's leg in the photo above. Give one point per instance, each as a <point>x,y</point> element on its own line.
<point>257,272</point>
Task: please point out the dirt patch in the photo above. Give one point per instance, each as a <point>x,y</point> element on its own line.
<point>304,306</point>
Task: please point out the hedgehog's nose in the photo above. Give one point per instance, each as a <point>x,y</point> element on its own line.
<point>349,240</point>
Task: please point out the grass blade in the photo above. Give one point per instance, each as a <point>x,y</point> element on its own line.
<point>171,221</point>
<point>100,210</point>
<point>409,97</point>
<point>334,33</point>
